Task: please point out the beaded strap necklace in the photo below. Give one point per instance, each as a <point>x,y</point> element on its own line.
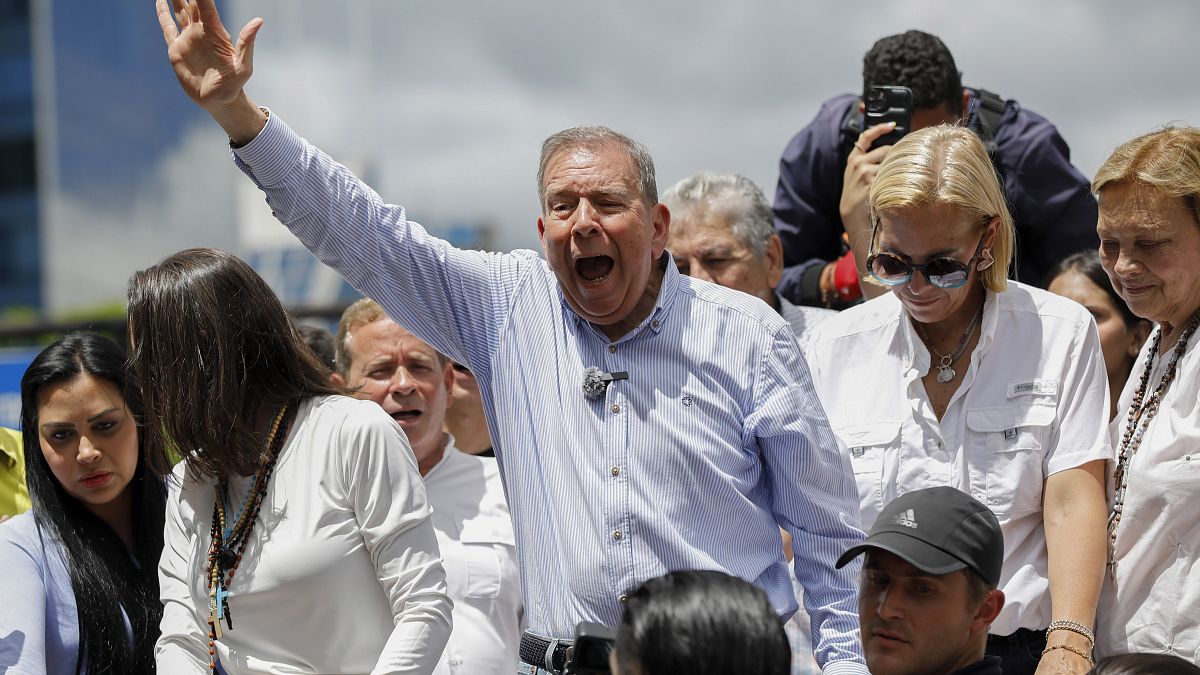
<point>229,542</point>
<point>1141,411</point>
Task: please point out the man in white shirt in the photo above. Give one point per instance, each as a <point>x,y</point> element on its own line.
<point>410,380</point>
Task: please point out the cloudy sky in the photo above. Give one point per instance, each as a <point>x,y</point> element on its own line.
<point>443,105</point>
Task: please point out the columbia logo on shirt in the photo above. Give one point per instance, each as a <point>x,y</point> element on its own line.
<point>907,519</point>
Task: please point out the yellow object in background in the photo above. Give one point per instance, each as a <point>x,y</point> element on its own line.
<point>14,495</point>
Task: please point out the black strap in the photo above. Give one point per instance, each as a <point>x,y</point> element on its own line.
<point>989,112</point>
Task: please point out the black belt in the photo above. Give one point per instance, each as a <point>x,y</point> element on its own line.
<point>544,653</point>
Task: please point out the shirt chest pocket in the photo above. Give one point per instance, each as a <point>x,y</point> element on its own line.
<point>1009,445</point>
<point>868,446</point>
<point>473,570</point>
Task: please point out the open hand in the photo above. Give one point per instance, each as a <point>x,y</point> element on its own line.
<point>211,69</point>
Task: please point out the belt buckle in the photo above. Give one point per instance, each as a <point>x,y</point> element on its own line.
<point>548,660</point>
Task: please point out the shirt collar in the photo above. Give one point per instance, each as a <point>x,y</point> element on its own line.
<point>657,318</point>
<point>447,454</point>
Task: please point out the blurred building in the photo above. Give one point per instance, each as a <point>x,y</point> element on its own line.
<point>20,260</point>
<point>105,167</point>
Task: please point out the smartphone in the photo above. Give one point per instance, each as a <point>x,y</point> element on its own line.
<point>589,654</point>
<point>888,104</point>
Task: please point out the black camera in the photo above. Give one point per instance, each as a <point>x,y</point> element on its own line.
<point>888,104</point>
<point>589,653</point>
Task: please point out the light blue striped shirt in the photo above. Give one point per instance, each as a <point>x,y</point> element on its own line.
<point>689,464</point>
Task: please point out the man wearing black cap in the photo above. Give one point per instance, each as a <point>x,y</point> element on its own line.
<point>928,590</point>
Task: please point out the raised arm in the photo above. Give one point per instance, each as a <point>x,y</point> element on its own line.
<point>212,70</point>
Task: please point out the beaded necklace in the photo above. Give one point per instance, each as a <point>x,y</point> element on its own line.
<point>1141,411</point>
<point>229,542</point>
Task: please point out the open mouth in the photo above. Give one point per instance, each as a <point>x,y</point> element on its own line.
<point>594,268</point>
<point>406,415</point>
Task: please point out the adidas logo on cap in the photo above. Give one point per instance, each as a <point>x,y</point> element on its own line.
<point>907,519</point>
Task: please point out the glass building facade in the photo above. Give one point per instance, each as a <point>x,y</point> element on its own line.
<point>20,259</point>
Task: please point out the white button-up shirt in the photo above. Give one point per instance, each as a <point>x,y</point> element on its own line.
<point>1154,603</point>
<point>474,532</point>
<point>1032,402</point>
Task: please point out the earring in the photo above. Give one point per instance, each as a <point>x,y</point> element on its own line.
<point>985,260</point>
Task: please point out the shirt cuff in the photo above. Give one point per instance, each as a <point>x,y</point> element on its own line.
<point>838,667</point>
<point>272,154</point>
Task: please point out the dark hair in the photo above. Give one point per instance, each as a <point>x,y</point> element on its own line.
<point>1087,263</point>
<point>700,622</point>
<point>977,587</point>
<point>919,61</point>
<point>1145,664</point>
<point>103,578</point>
<point>320,341</point>
<point>215,349</point>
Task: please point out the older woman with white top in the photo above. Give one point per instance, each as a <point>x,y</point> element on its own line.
<point>1149,243</point>
<point>960,377</point>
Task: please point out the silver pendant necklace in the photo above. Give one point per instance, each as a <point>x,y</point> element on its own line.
<point>944,362</point>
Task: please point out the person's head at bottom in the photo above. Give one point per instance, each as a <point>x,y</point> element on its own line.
<point>1144,664</point>
<point>927,594</point>
<point>698,623</point>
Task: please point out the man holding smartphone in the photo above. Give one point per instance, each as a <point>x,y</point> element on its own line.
<point>826,171</point>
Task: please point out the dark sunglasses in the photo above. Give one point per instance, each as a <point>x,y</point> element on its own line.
<point>892,270</point>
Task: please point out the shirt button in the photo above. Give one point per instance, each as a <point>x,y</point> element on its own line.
<point>980,497</point>
<point>1187,458</point>
<point>654,324</point>
<point>616,408</point>
<point>616,471</point>
<point>622,597</point>
<point>617,535</point>
<point>612,349</point>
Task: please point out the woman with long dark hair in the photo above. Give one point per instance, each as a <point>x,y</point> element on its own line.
<point>298,536</point>
<point>79,589</point>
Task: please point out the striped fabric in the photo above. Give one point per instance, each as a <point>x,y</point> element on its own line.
<point>688,464</point>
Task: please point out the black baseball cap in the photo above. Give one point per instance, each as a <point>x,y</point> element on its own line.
<point>938,530</point>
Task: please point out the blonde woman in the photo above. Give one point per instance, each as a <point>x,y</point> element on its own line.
<point>960,377</point>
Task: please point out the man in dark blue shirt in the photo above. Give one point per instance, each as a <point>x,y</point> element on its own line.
<point>826,170</point>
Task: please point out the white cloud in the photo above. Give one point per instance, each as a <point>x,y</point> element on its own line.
<point>444,105</point>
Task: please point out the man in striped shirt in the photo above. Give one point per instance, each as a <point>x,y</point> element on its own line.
<point>646,422</point>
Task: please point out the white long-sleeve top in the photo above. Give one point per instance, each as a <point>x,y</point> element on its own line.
<point>342,572</point>
<point>474,531</point>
